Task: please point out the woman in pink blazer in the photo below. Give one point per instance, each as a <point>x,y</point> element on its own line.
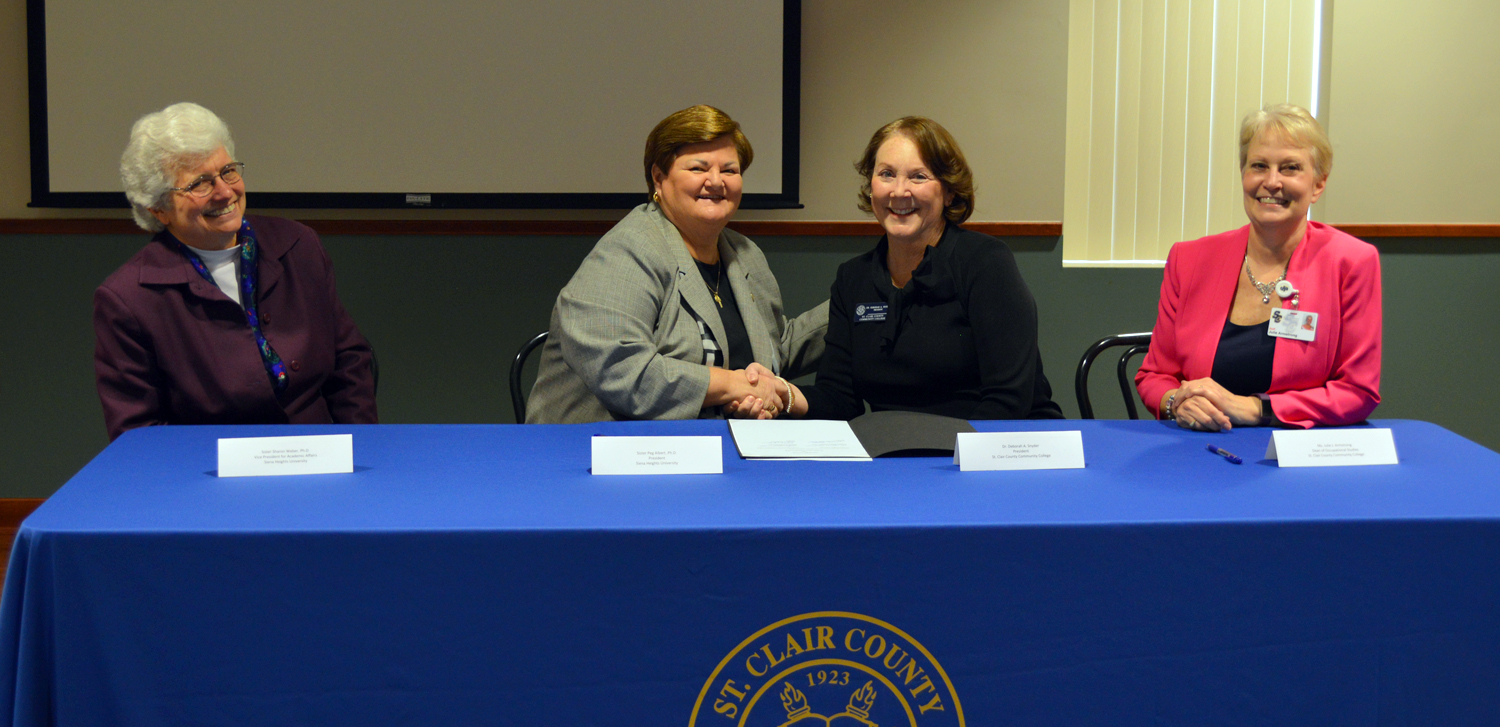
<point>1278,322</point>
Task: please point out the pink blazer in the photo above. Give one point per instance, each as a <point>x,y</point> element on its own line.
<point>1332,380</point>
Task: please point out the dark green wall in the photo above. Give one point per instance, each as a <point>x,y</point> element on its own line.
<point>446,315</point>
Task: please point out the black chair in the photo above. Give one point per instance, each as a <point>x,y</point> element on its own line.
<point>517,396</point>
<point>1138,343</point>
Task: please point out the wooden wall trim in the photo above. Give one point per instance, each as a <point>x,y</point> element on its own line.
<point>67,227</point>
<point>502,228</point>
<point>15,509</point>
<point>1420,230</point>
<point>753,228</point>
<point>12,511</point>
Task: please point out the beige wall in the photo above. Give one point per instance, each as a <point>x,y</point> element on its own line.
<point>1413,108</point>
<point>1412,105</point>
<point>15,168</point>
<point>993,72</point>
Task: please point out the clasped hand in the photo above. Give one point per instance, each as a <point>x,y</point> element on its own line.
<point>1204,405</point>
<point>763,398</point>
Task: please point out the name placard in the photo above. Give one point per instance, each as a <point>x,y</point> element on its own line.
<point>1332,447</point>
<point>658,455</point>
<point>318,454</point>
<point>1019,451</point>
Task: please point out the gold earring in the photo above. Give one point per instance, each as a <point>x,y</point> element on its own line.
<point>656,197</point>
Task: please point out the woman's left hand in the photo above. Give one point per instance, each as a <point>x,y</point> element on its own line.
<point>1206,404</point>
<point>752,407</point>
<point>748,408</point>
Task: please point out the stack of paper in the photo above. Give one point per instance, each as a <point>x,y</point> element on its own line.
<point>806,439</point>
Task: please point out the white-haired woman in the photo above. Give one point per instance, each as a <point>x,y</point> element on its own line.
<point>221,318</point>
<point>1278,322</point>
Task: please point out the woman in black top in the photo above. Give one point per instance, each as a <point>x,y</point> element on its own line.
<point>936,318</point>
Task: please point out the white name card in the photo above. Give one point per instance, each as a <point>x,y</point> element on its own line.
<point>1331,447</point>
<point>319,454</point>
<point>658,455</point>
<point>1019,451</point>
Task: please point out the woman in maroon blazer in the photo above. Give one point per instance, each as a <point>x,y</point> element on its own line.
<point>1277,322</point>
<point>221,318</point>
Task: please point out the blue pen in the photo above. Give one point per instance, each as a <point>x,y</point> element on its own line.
<point>1225,454</point>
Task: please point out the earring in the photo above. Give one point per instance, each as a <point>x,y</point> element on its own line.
<point>656,197</point>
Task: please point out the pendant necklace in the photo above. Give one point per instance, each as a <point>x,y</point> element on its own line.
<point>1264,288</point>
<point>719,276</point>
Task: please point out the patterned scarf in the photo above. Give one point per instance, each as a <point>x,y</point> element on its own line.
<point>249,272</point>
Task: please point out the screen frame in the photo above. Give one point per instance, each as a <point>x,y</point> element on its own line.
<point>789,197</point>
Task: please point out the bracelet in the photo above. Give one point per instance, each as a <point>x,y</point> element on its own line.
<point>1166,411</point>
<point>791,396</point>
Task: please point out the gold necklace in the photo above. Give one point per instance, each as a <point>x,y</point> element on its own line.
<point>718,278</point>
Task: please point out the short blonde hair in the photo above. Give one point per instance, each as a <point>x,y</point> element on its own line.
<point>1293,124</point>
<point>692,125</point>
<point>939,152</point>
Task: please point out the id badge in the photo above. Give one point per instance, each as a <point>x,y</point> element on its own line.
<point>1293,323</point>
<point>870,312</point>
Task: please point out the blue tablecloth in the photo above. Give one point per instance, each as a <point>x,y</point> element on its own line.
<point>471,575</point>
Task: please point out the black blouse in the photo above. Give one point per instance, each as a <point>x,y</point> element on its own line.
<point>737,353</point>
<point>1243,361</point>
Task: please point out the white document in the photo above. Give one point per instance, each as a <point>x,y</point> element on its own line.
<point>800,439</point>
<point>658,455</point>
<point>1019,451</point>
<point>318,454</point>
<point>1331,447</point>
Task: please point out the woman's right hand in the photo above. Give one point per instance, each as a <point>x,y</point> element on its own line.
<point>1204,405</point>
<point>1197,413</point>
<point>751,392</point>
<point>792,401</point>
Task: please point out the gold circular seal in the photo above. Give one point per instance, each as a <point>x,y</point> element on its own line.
<point>828,669</point>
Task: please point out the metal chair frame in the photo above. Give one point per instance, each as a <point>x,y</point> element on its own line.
<point>517,396</point>
<point>1137,343</point>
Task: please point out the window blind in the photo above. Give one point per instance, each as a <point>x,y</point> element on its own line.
<point>1156,91</point>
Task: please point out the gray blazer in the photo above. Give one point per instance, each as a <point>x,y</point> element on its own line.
<point>624,343</point>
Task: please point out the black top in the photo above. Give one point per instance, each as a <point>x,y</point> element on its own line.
<point>737,351</point>
<point>959,340</point>
<point>1242,363</point>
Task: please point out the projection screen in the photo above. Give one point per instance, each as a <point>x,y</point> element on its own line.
<point>442,104</point>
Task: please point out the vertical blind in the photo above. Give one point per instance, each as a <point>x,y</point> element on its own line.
<point>1156,91</point>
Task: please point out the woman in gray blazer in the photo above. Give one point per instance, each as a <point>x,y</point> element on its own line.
<point>663,316</point>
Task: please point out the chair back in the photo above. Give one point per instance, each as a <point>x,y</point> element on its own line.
<point>1136,344</point>
<point>517,396</point>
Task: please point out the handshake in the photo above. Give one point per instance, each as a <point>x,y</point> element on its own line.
<point>757,393</point>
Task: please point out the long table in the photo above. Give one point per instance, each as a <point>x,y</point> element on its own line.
<point>479,575</point>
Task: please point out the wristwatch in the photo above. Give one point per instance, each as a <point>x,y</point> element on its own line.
<point>1267,416</point>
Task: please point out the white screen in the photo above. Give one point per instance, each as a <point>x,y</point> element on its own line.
<point>450,96</point>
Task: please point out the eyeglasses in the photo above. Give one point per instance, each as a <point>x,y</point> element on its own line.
<point>204,185</point>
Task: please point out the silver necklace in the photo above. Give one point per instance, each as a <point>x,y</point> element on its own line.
<point>1264,288</point>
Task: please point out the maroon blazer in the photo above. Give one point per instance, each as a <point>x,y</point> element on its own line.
<point>171,348</point>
